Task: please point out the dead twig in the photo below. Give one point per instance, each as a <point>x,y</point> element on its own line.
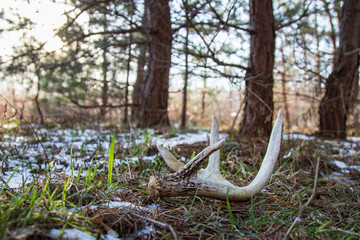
<point>29,124</point>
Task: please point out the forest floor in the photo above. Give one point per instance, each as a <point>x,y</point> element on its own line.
<point>61,183</point>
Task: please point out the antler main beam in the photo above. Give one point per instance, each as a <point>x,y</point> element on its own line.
<point>189,180</point>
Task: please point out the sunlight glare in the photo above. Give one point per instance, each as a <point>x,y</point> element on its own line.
<point>46,34</point>
<point>46,14</point>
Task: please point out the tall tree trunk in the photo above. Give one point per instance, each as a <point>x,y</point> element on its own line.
<point>342,85</point>
<point>333,32</point>
<point>186,75</point>
<point>203,95</point>
<point>318,58</point>
<point>37,103</point>
<point>154,97</point>
<point>105,85</point>
<point>203,91</point>
<point>140,77</point>
<point>125,119</point>
<point>259,105</point>
<point>38,89</point>
<point>140,74</point>
<point>126,111</point>
<point>105,82</point>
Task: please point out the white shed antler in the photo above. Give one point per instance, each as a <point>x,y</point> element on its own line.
<point>188,180</point>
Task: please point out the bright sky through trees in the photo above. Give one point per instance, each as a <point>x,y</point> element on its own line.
<point>46,15</point>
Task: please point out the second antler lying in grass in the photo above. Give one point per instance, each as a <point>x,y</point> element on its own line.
<point>188,180</point>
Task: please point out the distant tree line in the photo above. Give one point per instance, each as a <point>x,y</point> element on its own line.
<point>125,52</point>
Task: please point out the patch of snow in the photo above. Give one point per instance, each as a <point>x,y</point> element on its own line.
<point>120,204</point>
<point>132,159</point>
<point>344,167</point>
<point>264,190</point>
<point>288,154</point>
<point>291,136</point>
<point>73,234</point>
<point>339,178</point>
<point>149,158</point>
<point>340,164</point>
<point>344,148</point>
<point>76,234</point>
<point>187,138</point>
<point>354,139</point>
<point>149,229</point>
<point>357,168</point>
<point>112,235</point>
<point>9,126</point>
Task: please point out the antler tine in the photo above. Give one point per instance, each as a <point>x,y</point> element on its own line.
<point>212,171</point>
<point>266,168</point>
<point>214,160</point>
<point>169,159</point>
<point>272,152</point>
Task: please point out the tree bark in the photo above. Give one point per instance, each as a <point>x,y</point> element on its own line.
<point>105,82</point>
<point>140,77</point>
<point>318,58</point>
<point>342,85</point>
<point>186,74</point>
<point>128,65</point>
<point>140,74</point>
<point>38,89</point>
<point>127,84</point>
<point>154,97</point>
<point>259,105</point>
<point>105,85</point>
<point>332,34</point>
<point>203,96</point>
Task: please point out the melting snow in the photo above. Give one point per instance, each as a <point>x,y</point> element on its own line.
<point>73,234</point>
<point>340,178</point>
<point>340,164</point>
<point>344,167</point>
<point>288,154</point>
<point>115,204</point>
<point>300,136</point>
<point>9,126</point>
<point>186,138</point>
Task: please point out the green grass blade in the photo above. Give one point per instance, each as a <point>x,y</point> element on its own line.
<point>193,201</point>
<point>71,161</point>
<point>111,159</point>
<point>79,175</point>
<point>229,210</point>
